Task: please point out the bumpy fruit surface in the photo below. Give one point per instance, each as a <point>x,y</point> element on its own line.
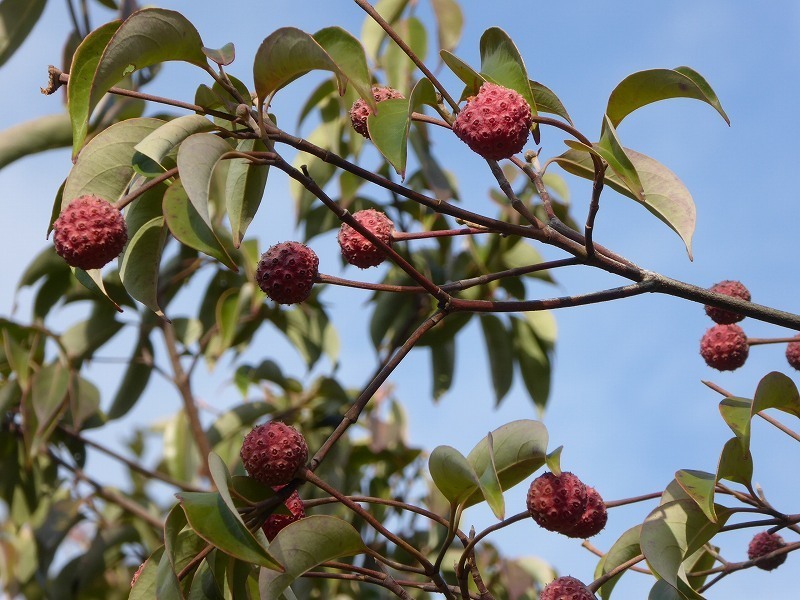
<point>566,588</point>
<point>593,519</point>
<point>272,453</point>
<point>276,522</point>
<point>358,250</point>
<point>495,123</point>
<point>793,354</point>
<point>557,502</point>
<point>286,272</point>
<point>729,288</point>
<point>762,544</point>
<point>360,111</point>
<point>724,347</point>
<point>89,233</point>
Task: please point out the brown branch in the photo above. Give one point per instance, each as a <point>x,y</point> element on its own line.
<point>599,553</point>
<point>598,583</point>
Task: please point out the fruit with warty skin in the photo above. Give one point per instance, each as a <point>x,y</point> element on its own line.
<point>360,110</point>
<point>593,519</point>
<point>762,544</point>
<point>273,452</point>
<point>729,288</point>
<point>566,588</point>
<point>358,250</point>
<point>287,271</point>
<point>89,233</point>
<point>793,354</point>
<point>276,521</point>
<point>495,123</point>
<point>557,502</point>
<point>724,347</point>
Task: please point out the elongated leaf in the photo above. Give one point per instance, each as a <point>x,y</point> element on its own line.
<point>399,68</point>
<point>452,474</point>
<point>210,517</point>
<point>624,549</point>
<point>490,483</point>
<point>148,37</point>
<point>134,381</point>
<point>443,363</point>
<point>450,23</point>
<point>735,464</point>
<point>373,34</point>
<point>188,227</point>
<point>388,129</point>
<point>614,154</point>
<point>665,195</point>
<point>82,339</point>
<point>161,142</point>
<point>646,87</point>
<point>49,388</point>
<point>348,55</point>
<point>501,63</point>
<point>547,101</point>
<point>500,351</point>
<point>145,586</point>
<point>168,585</point>
<point>776,390</point>
<point>471,78</point>
<point>36,135</point>
<point>304,544</point>
<point>139,263</point>
<point>737,413</point>
<point>700,487</point>
<point>17,18</point>
<point>534,363</point>
<point>244,189</point>
<point>198,155</point>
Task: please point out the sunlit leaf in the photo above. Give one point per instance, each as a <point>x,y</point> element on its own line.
<point>373,34</point>
<point>348,55</point>
<point>388,129</point>
<point>198,155</point>
<point>700,487</point>
<point>735,463</point>
<point>737,413</point>
<point>222,56</point>
<point>776,390</point>
<point>501,63</point>
<point>624,549</point>
<point>161,141</point>
<point>614,154</point>
<point>452,474</point>
<point>490,483</point>
<point>471,78</point>
<point>139,263</point>
<point>449,21</point>
<point>547,101</point>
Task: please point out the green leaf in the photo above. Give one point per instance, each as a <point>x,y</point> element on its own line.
<point>452,474</point>
<point>624,549</point>
<point>776,390</point>
<point>134,382</point>
<point>49,388</point>
<point>646,87</point>
<point>613,153</point>
<point>373,34</point>
<point>735,463</point>
<point>145,587</point>
<point>399,68</point>
<point>388,130</point>
<point>348,55</point>
<point>148,37</point>
<point>233,421</point>
<point>519,449</point>
<point>553,461</point>
<point>304,544</point>
<point>211,519</point>
<point>443,363</point>
<point>286,54</point>
<point>17,18</point>
<point>501,63</point>
<point>547,101</point>
<point>104,167</point>
<point>161,142</point>
<point>222,56</point>
<point>665,195</point>
<point>244,189</point>
<point>490,483</point>
<point>471,78</point>
<point>449,23</point>
<point>139,263</point>
<point>699,485</point>
<point>737,413</point>
<point>36,135</point>
<point>534,364</point>
<point>222,479</point>
<point>500,351</point>
<point>198,155</point>
<point>168,585</point>
<point>181,455</point>
<point>188,227</point>
<point>82,339</point>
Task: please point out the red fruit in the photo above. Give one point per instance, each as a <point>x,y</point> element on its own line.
<point>495,123</point>
<point>593,519</point>
<point>89,233</point>
<point>566,588</point>
<point>360,111</point>
<point>557,502</point>
<point>729,288</point>
<point>762,544</point>
<point>272,453</point>
<point>724,347</point>
<point>276,522</point>
<point>286,272</point>
<point>358,250</point>
<point>793,354</point>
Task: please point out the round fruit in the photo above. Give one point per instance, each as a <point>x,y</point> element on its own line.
<point>729,288</point>
<point>358,250</point>
<point>793,354</point>
<point>276,522</point>
<point>360,110</point>
<point>273,452</point>
<point>593,519</point>
<point>762,544</point>
<point>287,271</point>
<point>566,588</point>
<point>495,123</point>
<point>89,233</point>
<point>724,347</point>
<point>557,502</point>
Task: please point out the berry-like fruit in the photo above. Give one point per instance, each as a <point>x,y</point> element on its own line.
<point>762,544</point>
<point>273,452</point>
<point>793,354</point>
<point>358,250</point>
<point>729,288</point>
<point>360,111</point>
<point>286,272</point>
<point>89,233</point>
<point>593,519</point>
<point>724,347</point>
<point>566,588</point>
<point>276,522</point>
<point>495,123</point>
<point>557,502</point>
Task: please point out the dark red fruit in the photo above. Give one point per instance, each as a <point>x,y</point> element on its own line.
<point>762,544</point>
<point>724,347</point>
<point>276,522</point>
<point>360,111</point>
<point>729,288</point>
<point>557,502</point>
<point>286,272</point>
<point>566,588</point>
<point>272,453</point>
<point>89,233</point>
<point>358,250</point>
<point>593,519</point>
<point>793,354</point>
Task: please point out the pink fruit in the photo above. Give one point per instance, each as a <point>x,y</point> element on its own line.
<point>557,502</point>
<point>287,271</point>
<point>593,519</point>
<point>89,233</point>
<point>276,522</point>
<point>272,453</point>
<point>566,588</point>
<point>762,544</point>
<point>358,250</point>
<point>729,288</point>
<point>360,111</point>
<point>793,354</point>
<point>724,347</point>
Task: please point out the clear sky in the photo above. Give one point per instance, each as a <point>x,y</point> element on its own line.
<point>627,400</point>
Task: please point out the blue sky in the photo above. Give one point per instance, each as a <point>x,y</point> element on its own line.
<point>627,402</point>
